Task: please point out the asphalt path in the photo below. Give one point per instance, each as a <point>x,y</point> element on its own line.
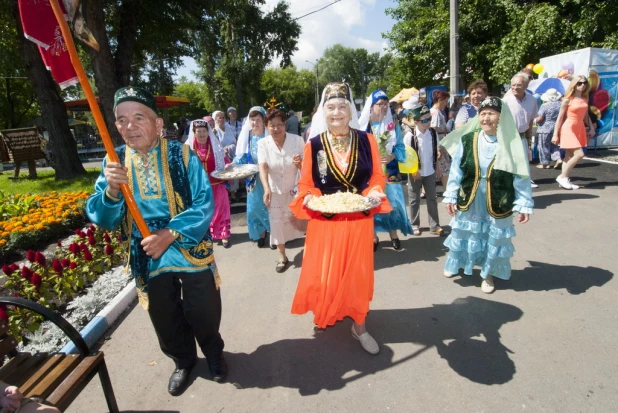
<point>545,341</point>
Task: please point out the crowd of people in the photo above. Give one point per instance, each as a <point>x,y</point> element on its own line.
<point>479,154</point>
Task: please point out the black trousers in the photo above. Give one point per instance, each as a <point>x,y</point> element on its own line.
<point>179,322</point>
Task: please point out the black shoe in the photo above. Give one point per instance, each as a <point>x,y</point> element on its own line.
<point>226,243</point>
<point>396,243</point>
<point>273,247</point>
<point>218,368</point>
<point>261,242</point>
<point>178,381</point>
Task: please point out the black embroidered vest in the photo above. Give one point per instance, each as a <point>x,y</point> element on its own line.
<point>500,188</point>
<point>328,178</point>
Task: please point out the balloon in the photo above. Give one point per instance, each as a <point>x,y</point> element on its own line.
<point>538,68</point>
<point>530,66</point>
<point>410,166</point>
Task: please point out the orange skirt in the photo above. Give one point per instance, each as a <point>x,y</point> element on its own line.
<point>336,279</point>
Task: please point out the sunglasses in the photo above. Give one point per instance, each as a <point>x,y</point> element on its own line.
<point>581,83</point>
<point>423,121</point>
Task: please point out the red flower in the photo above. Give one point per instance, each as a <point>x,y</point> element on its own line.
<point>73,265</point>
<point>78,232</point>
<point>57,265</point>
<point>83,246</point>
<point>390,126</point>
<point>92,228</point>
<point>36,279</point>
<point>74,248</point>
<point>119,238</point>
<point>15,295</point>
<point>31,255</point>
<point>7,269</point>
<point>3,314</point>
<point>26,272</point>
<point>109,250</point>
<point>40,259</point>
<point>90,233</point>
<point>92,241</point>
<point>65,262</point>
<point>14,267</point>
<point>60,243</point>
<point>107,238</point>
<point>87,254</point>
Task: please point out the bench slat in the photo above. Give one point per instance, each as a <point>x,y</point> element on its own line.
<point>78,378</point>
<point>19,375</point>
<point>38,375</point>
<point>55,377</point>
<point>7,344</point>
<point>13,364</point>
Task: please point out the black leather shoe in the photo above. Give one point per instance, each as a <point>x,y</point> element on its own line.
<point>178,381</point>
<point>396,243</point>
<point>218,369</point>
<point>261,242</point>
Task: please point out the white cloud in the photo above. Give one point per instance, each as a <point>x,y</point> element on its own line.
<point>330,26</point>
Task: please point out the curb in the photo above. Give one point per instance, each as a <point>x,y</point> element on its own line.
<point>600,160</point>
<point>95,329</point>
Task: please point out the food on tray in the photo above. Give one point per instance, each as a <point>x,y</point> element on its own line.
<point>342,202</point>
<point>236,172</point>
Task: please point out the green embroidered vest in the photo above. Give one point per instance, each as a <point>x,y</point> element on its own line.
<point>500,188</point>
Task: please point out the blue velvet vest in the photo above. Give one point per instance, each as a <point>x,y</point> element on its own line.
<point>328,178</point>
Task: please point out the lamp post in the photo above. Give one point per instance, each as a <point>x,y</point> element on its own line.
<point>317,86</point>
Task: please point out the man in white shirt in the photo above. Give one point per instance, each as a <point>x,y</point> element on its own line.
<point>524,108</point>
<point>234,124</point>
<point>424,141</point>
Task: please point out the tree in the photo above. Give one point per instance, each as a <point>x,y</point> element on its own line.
<point>295,88</point>
<point>196,92</point>
<point>66,161</point>
<point>492,45</point>
<point>238,42</point>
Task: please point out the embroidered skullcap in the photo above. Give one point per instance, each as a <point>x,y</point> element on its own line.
<point>419,111</point>
<point>200,124</point>
<point>377,95</point>
<point>135,94</point>
<point>491,102</point>
<point>337,90</point>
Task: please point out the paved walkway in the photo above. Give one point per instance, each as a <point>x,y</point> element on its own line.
<point>545,341</point>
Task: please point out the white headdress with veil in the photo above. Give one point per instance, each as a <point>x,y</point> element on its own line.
<point>365,118</point>
<point>214,141</point>
<point>242,145</point>
<point>333,90</point>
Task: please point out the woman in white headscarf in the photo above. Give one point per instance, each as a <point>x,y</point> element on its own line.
<point>336,279</point>
<point>377,119</point>
<point>208,149</point>
<point>488,181</point>
<point>252,132</point>
<point>228,142</point>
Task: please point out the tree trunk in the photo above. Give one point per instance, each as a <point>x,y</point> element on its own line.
<point>239,96</point>
<point>127,38</point>
<point>63,146</point>
<point>11,105</point>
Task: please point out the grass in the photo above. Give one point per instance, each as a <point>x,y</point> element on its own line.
<point>46,182</point>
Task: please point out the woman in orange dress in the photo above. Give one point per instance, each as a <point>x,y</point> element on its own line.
<point>336,280</point>
<point>570,132</point>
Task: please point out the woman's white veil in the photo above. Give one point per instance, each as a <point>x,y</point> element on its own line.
<point>365,118</point>
<point>214,141</point>
<point>242,145</point>
<point>318,122</point>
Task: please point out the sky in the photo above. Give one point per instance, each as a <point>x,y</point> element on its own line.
<point>352,23</point>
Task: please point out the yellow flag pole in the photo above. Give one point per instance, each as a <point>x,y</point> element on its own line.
<point>98,117</point>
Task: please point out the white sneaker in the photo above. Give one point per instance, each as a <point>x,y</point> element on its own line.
<point>448,274</point>
<point>564,183</point>
<point>487,286</point>
<point>532,184</point>
<point>367,342</point>
<point>573,186</point>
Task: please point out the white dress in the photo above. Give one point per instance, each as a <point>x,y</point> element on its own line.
<point>283,179</point>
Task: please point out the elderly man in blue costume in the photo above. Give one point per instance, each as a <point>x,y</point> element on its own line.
<point>377,119</point>
<point>173,193</point>
<point>488,181</point>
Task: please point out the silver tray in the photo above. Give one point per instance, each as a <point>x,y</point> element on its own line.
<point>236,172</point>
<point>372,202</point>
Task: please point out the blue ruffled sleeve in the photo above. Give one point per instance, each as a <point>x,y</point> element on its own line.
<point>193,222</point>
<point>454,178</point>
<point>399,149</point>
<point>523,195</point>
<point>103,210</point>
<point>241,160</point>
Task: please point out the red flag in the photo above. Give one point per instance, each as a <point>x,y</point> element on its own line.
<point>40,26</point>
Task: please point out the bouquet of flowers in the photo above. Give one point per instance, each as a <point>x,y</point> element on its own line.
<point>382,141</point>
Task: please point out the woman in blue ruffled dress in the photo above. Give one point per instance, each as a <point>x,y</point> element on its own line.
<point>488,181</point>
<point>377,119</point>
<point>252,132</point>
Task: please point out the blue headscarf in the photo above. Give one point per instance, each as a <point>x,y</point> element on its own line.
<point>377,95</point>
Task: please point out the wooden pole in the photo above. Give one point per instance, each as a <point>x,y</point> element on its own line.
<point>98,117</point>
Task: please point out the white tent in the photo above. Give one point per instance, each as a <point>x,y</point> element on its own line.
<point>601,67</point>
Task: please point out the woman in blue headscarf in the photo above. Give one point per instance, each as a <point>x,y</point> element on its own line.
<point>377,119</point>
<point>252,132</point>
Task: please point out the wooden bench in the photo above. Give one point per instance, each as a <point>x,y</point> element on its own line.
<point>58,378</point>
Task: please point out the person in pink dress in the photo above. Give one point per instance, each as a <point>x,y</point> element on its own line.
<point>212,156</point>
<point>570,132</point>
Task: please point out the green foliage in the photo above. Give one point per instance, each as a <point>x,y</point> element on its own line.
<point>496,37</point>
<point>200,103</point>
<point>294,88</point>
<point>13,206</point>
<point>54,280</point>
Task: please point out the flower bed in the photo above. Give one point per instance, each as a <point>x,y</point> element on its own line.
<point>55,280</point>
<point>27,221</point>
